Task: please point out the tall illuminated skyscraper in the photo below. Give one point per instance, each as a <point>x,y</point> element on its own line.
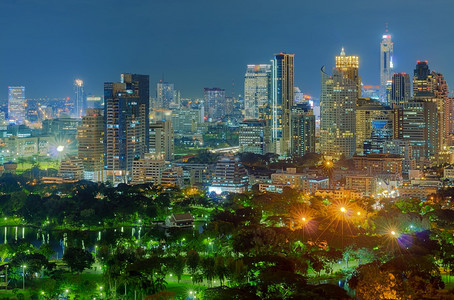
<point>126,124</point>
<point>80,101</point>
<point>282,101</point>
<point>338,100</point>
<point>16,104</point>
<point>215,103</point>
<point>90,135</point>
<point>400,89</point>
<point>257,92</point>
<point>424,82</point>
<point>165,94</point>
<point>386,63</point>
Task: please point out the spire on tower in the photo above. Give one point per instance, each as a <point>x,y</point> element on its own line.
<point>342,52</point>
<point>386,27</point>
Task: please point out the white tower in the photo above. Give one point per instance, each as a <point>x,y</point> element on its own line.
<point>386,63</point>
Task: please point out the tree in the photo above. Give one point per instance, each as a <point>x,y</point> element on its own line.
<point>208,268</point>
<point>192,260</point>
<point>177,267</point>
<point>78,259</point>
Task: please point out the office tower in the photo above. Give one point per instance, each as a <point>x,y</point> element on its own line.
<point>420,128</point>
<point>423,81</point>
<point>162,142</point>
<point>214,103</point>
<point>386,63</point>
<point>254,136</point>
<point>381,132</point>
<point>229,176</point>
<point>126,124</point>
<point>339,96</point>
<point>147,170</point>
<point>90,135</point>
<point>165,94</point>
<point>31,110</point>
<point>445,109</point>
<point>80,101</point>
<point>257,92</point>
<point>401,89</point>
<point>367,111</point>
<point>16,104</point>
<point>185,120</point>
<point>302,130</point>
<point>282,101</point>
<point>349,67</point>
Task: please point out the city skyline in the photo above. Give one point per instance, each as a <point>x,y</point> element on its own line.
<point>46,58</point>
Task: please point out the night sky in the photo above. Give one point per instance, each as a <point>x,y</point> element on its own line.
<point>46,44</point>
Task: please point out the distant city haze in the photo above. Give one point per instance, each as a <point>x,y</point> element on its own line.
<point>46,44</point>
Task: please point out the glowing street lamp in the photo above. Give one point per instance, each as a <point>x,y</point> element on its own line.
<point>23,276</point>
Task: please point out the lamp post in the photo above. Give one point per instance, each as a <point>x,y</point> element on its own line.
<point>343,210</point>
<point>23,276</point>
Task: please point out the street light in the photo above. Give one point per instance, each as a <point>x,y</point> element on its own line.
<point>23,276</point>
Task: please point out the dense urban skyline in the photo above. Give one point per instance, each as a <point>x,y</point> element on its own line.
<point>47,44</point>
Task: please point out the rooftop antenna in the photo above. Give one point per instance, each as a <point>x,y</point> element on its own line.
<point>386,27</point>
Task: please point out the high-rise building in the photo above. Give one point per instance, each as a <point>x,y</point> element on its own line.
<point>254,137</point>
<point>214,103</point>
<point>349,67</point>
<point>162,140</point>
<point>126,124</point>
<point>367,111</point>
<point>401,89</point>
<point>165,94</point>
<point>423,81</point>
<point>16,104</point>
<point>386,63</point>
<point>90,135</point>
<point>80,101</point>
<point>229,176</point>
<point>302,130</point>
<point>257,92</point>
<point>338,100</point>
<point>445,110</point>
<point>420,128</point>
<point>147,170</point>
<point>282,101</point>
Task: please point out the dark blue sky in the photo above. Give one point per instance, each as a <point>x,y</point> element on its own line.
<point>45,44</point>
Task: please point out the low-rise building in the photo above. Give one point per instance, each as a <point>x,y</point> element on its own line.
<point>339,194</point>
<point>180,220</point>
<point>364,184</point>
<point>376,164</point>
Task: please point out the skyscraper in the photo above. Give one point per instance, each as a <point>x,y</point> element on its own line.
<point>90,135</point>
<point>215,103</point>
<point>338,99</point>
<point>80,101</point>
<point>386,63</point>
<point>126,124</point>
<point>254,137</point>
<point>162,140</point>
<point>16,104</point>
<point>401,89</point>
<point>423,81</point>
<point>257,92</point>
<point>282,101</point>
<point>420,128</point>
<point>302,130</point>
<point>165,94</point>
